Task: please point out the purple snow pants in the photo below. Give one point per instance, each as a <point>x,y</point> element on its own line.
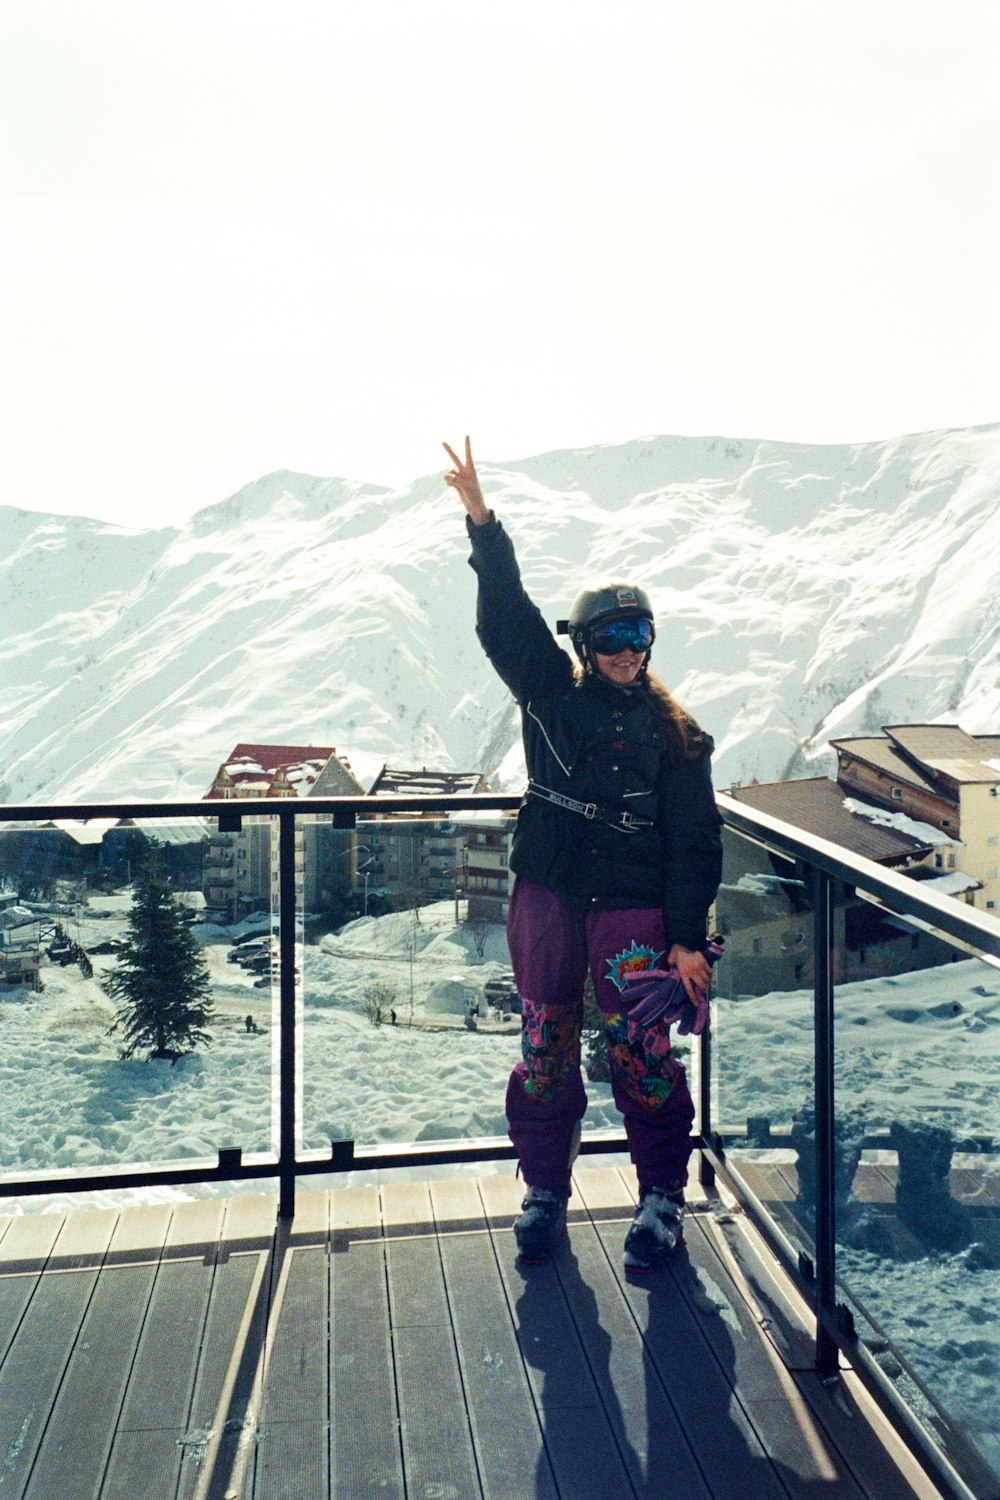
<point>551,949</point>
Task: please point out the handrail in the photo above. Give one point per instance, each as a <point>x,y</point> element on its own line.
<point>210,807</point>
<point>905,896</point>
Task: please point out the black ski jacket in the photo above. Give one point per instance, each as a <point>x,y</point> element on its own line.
<point>602,745</point>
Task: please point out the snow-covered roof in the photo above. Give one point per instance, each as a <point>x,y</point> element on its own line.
<point>952,884</point>
<point>427,783</point>
<point>270,757</point>
<point>16,916</point>
<point>925,833</point>
<point>818,806</point>
<point>190,831</point>
<point>265,770</point>
<point>935,757</point>
<point>90,831</point>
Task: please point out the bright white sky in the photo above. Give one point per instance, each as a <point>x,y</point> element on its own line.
<point>242,235</point>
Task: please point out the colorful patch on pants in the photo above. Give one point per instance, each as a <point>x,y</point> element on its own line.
<point>631,961</point>
<point>641,1061</point>
<point>550,1046</point>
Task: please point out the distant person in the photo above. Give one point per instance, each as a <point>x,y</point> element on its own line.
<point>617,858</point>
<point>392,1018</point>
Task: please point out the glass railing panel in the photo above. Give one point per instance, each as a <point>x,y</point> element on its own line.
<point>410,1019</point>
<point>918,1205</point>
<point>762,1074</point>
<point>74,997</point>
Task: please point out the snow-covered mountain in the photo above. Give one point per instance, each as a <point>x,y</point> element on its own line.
<point>802,592</point>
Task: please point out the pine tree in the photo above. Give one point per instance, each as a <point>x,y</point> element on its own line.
<point>160,978</point>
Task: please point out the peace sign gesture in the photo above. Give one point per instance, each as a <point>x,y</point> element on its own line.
<point>465,480</point>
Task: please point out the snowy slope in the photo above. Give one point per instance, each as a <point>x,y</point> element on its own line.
<point>802,593</point>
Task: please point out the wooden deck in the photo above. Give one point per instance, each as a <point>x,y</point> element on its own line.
<point>388,1346</point>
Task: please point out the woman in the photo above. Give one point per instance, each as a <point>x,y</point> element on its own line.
<point>617,857</point>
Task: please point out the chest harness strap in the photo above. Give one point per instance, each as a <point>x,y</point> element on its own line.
<point>624,822</point>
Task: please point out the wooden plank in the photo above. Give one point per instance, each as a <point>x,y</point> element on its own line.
<point>311,1225</point>
<point>355,1214</point>
<point>881,1463</point>
<point>365,1455</point>
<point>225,1403</point>
<point>293,1445</point>
<point>506,1433</point>
<point>782,1314</point>
<point>794,1441</point>
<point>41,1349</point>
<point>153,1431</point>
<point>645,1426</point>
<point>81,1429</point>
<point>27,1239</point>
<point>437,1443</point>
<point>25,1248</point>
<point>605,1195</point>
<point>458,1208</point>
<point>871,1185</point>
<point>764,1180</point>
<point>585,1457</point>
<point>557,1368</point>
<point>434,1427</point>
<point>292,1462</point>
<point>406,1210</point>
<point>670,1312</point>
<point>416,1284</point>
<point>975,1187</point>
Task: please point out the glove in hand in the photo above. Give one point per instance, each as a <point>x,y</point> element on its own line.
<point>658,995</point>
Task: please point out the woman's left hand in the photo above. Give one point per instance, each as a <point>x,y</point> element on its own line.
<point>693,968</point>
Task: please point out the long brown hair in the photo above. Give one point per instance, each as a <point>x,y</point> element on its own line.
<point>685,736</point>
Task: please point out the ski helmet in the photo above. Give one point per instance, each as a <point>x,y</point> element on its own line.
<point>597,606</point>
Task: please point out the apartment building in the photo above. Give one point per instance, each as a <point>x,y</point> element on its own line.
<point>937,775</point>
<point>415,857</point>
<point>241,868</point>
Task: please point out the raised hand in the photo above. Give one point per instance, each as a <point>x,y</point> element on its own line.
<point>465,480</point>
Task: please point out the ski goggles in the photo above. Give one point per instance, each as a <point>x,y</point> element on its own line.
<point>631,633</point>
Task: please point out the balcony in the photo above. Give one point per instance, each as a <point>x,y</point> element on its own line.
<point>383,1343</point>
<point>363,1329</point>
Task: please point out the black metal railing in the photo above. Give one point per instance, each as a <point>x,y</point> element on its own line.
<point>820,864</point>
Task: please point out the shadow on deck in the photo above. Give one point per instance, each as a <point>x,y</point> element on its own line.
<point>387,1345</point>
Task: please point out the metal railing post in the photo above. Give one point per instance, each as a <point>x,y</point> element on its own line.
<point>826,1290</point>
<point>287,1102</point>
<point>706,1171</point>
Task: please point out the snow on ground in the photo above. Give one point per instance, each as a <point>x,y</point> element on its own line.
<point>919,1047</point>
<point>70,1102</point>
<point>922,1046</point>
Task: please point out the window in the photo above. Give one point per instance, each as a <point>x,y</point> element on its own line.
<point>896,794</point>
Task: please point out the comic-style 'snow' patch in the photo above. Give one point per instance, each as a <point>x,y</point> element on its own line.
<point>631,961</point>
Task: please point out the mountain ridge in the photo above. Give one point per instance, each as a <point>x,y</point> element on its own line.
<point>802,591</point>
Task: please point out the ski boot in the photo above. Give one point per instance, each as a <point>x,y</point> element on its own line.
<point>656,1229</point>
<point>541,1225</point>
